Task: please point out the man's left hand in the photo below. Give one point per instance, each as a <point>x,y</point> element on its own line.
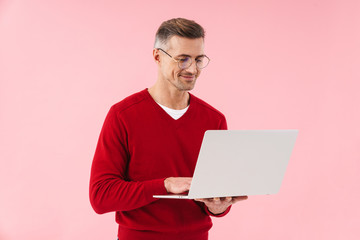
<point>219,205</point>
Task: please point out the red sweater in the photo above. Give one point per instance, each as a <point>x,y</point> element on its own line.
<point>139,146</point>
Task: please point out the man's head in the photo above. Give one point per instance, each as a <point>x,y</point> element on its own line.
<point>179,52</point>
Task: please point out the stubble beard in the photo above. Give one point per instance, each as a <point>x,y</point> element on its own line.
<point>184,86</point>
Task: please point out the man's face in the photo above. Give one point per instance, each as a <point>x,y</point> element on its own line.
<point>179,48</point>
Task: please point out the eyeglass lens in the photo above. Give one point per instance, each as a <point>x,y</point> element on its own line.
<point>200,62</point>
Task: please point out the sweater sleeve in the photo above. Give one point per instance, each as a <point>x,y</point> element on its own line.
<point>217,215</point>
<point>109,189</point>
<point>223,124</point>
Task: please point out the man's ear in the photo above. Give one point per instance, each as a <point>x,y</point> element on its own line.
<point>156,55</point>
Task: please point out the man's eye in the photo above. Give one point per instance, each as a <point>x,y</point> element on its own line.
<point>184,59</point>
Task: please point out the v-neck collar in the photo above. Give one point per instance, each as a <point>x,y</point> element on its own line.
<point>165,115</point>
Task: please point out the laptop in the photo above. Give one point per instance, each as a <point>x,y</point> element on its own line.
<point>240,163</point>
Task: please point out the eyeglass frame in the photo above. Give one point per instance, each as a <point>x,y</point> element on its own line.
<point>178,61</point>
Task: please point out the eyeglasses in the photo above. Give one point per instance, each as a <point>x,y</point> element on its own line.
<point>185,62</point>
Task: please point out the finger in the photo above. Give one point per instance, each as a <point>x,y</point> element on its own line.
<point>228,199</point>
<point>200,200</point>
<point>188,179</point>
<point>239,198</point>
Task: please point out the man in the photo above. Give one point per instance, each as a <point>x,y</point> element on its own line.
<point>149,145</point>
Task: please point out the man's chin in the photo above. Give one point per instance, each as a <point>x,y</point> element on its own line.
<point>189,88</point>
<point>185,85</point>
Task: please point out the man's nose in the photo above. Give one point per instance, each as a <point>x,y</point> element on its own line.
<point>192,68</point>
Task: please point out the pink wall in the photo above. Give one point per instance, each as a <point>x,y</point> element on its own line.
<point>274,64</point>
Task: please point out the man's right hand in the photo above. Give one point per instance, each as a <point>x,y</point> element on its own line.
<point>177,185</point>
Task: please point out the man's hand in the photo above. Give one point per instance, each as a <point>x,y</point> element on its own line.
<point>219,205</point>
<point>177,184</point>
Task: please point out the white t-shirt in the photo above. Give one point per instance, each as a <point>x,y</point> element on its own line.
<point>175,114</point>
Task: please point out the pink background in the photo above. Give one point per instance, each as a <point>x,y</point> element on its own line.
<point>274,64</point>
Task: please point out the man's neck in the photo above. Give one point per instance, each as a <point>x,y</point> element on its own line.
<point>171,98</point>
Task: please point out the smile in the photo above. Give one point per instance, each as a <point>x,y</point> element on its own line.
<point>188,77</point>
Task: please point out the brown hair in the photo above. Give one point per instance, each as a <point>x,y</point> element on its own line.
<point>178,27</point>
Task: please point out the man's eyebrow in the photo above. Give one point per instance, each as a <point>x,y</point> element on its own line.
<point>185,55</point>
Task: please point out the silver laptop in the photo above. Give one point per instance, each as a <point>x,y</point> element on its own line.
<point>240,163</point>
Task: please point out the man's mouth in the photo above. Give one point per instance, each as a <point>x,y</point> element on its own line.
<point>188,77</point>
